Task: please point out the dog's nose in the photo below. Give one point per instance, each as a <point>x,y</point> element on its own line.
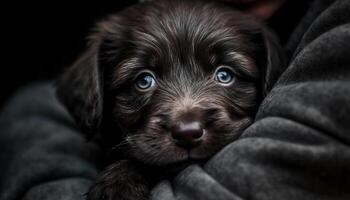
<point>187,133</point>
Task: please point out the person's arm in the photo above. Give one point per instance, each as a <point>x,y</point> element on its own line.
<point>42,156</point>
<point>299,146</point>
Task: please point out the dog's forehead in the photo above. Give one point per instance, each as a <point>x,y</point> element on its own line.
<point>186,26</point>
<point>181,31</point>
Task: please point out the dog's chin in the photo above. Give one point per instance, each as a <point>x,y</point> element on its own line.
<point>181,157</point>
<point>189,158</point>
<point>191,155</point>
<point>180,165</point>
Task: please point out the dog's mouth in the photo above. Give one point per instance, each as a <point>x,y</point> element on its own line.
<point>159,147</point>
<point>188,139</point>
<point>186,156</point>
<point>190,155</point>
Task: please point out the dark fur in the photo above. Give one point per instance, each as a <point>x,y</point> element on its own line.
<point>182,42</point>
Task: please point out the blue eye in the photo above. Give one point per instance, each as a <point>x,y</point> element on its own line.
<point>145,81</point>
<point>224,76</point>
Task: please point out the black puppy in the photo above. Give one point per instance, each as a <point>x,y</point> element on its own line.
<point>169,83</point>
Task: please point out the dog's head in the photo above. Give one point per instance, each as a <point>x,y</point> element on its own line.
<point>180,79</point>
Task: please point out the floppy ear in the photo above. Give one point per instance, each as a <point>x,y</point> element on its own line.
<point>273,61</point>
<point>80,89</point>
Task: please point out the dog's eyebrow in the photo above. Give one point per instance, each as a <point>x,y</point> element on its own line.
<point>244,63</point>
<point>127,67</point>
<point>239,58</point>
<point>124,69</point>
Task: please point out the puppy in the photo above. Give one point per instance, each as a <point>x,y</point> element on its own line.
<point>165,84</point>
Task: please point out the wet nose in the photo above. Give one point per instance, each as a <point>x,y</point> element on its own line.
<point>187,133</point>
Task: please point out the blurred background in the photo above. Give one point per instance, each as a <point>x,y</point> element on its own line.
<point>42,38</point>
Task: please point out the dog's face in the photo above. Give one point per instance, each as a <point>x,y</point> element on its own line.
<point>180,79</point>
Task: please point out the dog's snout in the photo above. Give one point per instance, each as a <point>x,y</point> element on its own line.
<point>187,133</point>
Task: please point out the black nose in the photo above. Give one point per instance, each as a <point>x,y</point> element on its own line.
<point>187,133</point>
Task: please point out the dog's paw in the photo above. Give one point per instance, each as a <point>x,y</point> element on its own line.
<point>120,181</point>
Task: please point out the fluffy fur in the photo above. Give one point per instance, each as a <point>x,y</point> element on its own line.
<point>182,43</point>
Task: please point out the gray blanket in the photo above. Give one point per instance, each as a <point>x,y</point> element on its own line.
<point>298,148</point>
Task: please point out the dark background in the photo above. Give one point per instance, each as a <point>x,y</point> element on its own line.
<point>40,39</point>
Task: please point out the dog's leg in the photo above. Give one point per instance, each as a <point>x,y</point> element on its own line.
<point>122,180</point>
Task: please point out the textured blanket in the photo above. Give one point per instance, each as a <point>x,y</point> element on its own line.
<point>298,147</point>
